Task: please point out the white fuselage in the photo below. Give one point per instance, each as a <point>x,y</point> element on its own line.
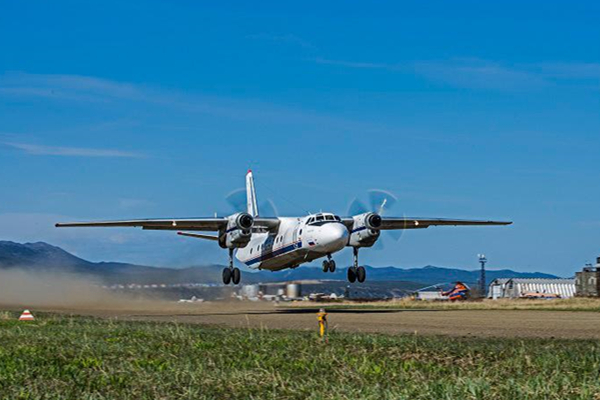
<point>296,242</point>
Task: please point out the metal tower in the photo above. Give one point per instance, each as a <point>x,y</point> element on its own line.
<point>482,288</point>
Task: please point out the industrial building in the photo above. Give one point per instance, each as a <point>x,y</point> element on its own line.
<point>514,288</point>
<point>587,282</point>
<point>272,291</point>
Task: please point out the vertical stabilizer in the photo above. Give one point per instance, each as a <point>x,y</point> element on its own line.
<point>252,207</point>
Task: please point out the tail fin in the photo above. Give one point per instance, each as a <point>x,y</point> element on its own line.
<point>251,195</point>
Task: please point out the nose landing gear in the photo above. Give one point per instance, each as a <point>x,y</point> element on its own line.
<point>356,272</point>
<point>231,274</point>
<point>329,264</point>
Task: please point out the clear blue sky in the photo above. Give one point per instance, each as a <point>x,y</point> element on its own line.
<point>156,109</point>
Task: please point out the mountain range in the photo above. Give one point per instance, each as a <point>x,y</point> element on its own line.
<point>43,256</point>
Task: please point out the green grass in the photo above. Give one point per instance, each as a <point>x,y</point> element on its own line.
<point>82,358</point>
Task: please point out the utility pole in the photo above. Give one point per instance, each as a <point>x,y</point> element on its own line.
<point>482,288</point>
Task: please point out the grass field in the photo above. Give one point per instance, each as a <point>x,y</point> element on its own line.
<point>83,358</point>
<point>573,304</point>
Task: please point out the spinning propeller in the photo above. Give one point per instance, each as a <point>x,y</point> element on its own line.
<point>380,202</point>
<point>237,201</point>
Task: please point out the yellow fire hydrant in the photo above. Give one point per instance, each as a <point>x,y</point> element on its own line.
<point>322,318</point>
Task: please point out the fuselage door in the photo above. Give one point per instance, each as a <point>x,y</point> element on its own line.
<point>298,235</point>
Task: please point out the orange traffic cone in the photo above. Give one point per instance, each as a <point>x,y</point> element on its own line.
<point>26,316</point>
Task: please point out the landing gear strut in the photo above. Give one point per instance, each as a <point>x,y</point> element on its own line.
<point>231,274</point>
<point>355,272</point>
<point>329,264</point>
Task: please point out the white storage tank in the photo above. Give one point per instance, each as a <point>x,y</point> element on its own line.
<point>249,291</point>
<point>293,290</point>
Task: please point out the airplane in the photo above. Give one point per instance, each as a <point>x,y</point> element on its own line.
<point>276,243</point>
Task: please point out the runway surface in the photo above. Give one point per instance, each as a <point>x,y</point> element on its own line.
<point>470,323</point>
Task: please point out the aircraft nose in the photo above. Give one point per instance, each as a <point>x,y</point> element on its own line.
<point>335,236</point>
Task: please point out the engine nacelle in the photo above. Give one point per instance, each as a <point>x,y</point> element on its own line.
<point>238,231</point>
<point>365,230</point>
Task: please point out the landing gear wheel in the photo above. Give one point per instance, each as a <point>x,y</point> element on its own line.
<point>325,265</point>
<point>226,276</point>
<point>236,276</point>
<point>332,266</point>
<point>351,275</point>
<point>361,274</point>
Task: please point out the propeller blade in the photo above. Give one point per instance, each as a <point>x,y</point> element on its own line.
<point>381,201</point>
<point>268,209</point>
<point>237,200</point>
<point>357,207</point>
<point>379,245</point>
<point>395,234</point>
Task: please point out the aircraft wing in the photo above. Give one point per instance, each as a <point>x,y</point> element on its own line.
<point>173,224</point>
<point>388,223</point>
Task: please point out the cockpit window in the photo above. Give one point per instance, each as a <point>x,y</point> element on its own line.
<point>321,219</point>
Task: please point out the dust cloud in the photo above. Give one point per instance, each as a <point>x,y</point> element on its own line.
<point>34,288</point>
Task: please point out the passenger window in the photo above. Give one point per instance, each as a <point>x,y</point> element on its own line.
<point>300,233</point>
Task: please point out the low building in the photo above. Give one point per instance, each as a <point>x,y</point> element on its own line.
<point>497,288</point>
<point>430,295</point>
<point>587,282</point>
<point>514,288</point>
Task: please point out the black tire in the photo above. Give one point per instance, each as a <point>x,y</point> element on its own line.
<point>325,265</point>
<point>361,274</point>
<point>236,276</point>
<point>351,275</point>
<point>332,266</point>
<point>226,276</point>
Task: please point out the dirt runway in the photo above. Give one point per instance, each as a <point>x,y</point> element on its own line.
<point>473,323</point>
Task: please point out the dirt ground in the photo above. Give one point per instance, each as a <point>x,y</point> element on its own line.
<point>473,323</point>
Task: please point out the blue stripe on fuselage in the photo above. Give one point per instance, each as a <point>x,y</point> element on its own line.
<point>275,253</point>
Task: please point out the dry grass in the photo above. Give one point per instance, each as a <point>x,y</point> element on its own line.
<point>575,304</point>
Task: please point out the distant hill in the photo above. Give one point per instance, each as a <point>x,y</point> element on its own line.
<point>426,275</point>
<point>42,256</point>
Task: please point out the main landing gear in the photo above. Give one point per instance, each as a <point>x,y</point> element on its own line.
<point>329,264</point>
<point>231,274</point>
<point>356,273</point>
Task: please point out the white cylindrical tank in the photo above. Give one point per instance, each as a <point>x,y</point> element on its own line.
<point>250,291</point>
<point>293,290</point>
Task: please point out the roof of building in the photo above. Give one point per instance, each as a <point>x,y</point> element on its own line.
<point>563,281</point>
<point>500,281</point>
